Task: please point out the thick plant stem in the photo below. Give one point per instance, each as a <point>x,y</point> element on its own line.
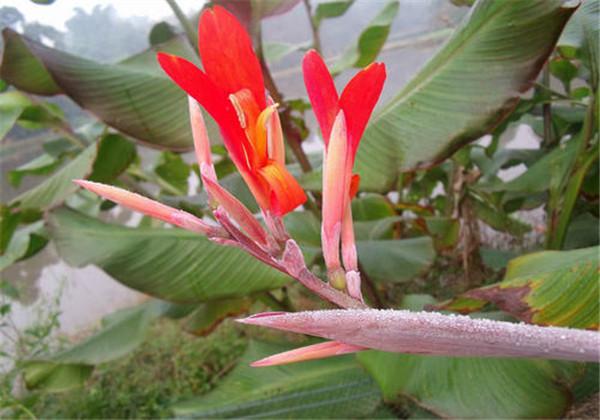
<point>547,110</point>
<point>572,192</point>
<point>437,334</point>
<point>313,27</point>
<point>190,33</point>
<point>559,219</point>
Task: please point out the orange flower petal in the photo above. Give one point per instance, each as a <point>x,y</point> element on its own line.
<point>284,191</point>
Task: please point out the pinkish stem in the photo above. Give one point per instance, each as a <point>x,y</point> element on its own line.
<point>436,334</point>
<point>294,263</point>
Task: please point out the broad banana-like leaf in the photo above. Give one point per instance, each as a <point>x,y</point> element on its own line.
<point>546,288</point>
<point>335,388</point>
<point>170,264</point>
<point>133,96</point>
<point>460,387</point>
<point>465,90</point>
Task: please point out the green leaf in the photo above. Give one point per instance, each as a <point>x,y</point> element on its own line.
<point>371,207</point>
<point>275,51</point>
<point>174,171</point>
<point>55,377</point>
<point>209,315</point>
<point>171,264</point>
<point>580,38</point>
<point>115,153</point>
<point>40,115</point>
<point>124,332</point>
<point>24,70</point>
<point>370,42</point>
<point>101,162</point>
<point>563,70</point>
<point>474,387</point>
<point>498,219</point>
<point>546,288</point>
<point>12,105</point>
<point>444,231</point>
<point>331,9</point>
<point>304,228</point>
<point>374,217</point>
<point>134,96</point>
<point>9,220</point>
<point>332,388</point>
<point>25,242</point>
<point>263,9</point>
<point>43,164</point>
<point>461,3</point>
<point>582,232</point>
<point>465,90</point>
<point>590,11</point>
<point>395,260</point>
<point>497,259</point>
<point>59,186</point>
<point>161,32</point>
<point>9,290</point>
<point>546,173</point>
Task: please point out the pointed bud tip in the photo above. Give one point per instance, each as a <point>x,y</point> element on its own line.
<point>88,185</point>
<point>258,319</point>
<point>261,363</point>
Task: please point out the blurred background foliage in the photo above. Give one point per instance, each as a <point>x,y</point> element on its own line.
<point>457,212</point>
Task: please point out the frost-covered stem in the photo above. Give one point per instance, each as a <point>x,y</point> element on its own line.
<point>436,334</point>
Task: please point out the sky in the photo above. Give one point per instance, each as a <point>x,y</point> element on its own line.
<point>60,11</point>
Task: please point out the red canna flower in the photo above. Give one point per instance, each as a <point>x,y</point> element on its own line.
<point>342,120</point>
<point>231,89</point>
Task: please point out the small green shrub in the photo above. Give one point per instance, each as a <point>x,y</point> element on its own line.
<point>171,365</point>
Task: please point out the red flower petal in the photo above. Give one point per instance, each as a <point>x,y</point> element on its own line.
<point>191,79</point>
<point>227,54</point>
<point>321,92</point>
<point>354,183</point>
<point>359,98</point>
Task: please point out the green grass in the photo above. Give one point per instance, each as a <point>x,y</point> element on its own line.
<point>171,365</point>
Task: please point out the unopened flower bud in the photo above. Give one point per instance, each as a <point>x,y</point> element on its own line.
<point>337,279</point>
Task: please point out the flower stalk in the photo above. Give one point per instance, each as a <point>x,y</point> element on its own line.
<point>433,334</point>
